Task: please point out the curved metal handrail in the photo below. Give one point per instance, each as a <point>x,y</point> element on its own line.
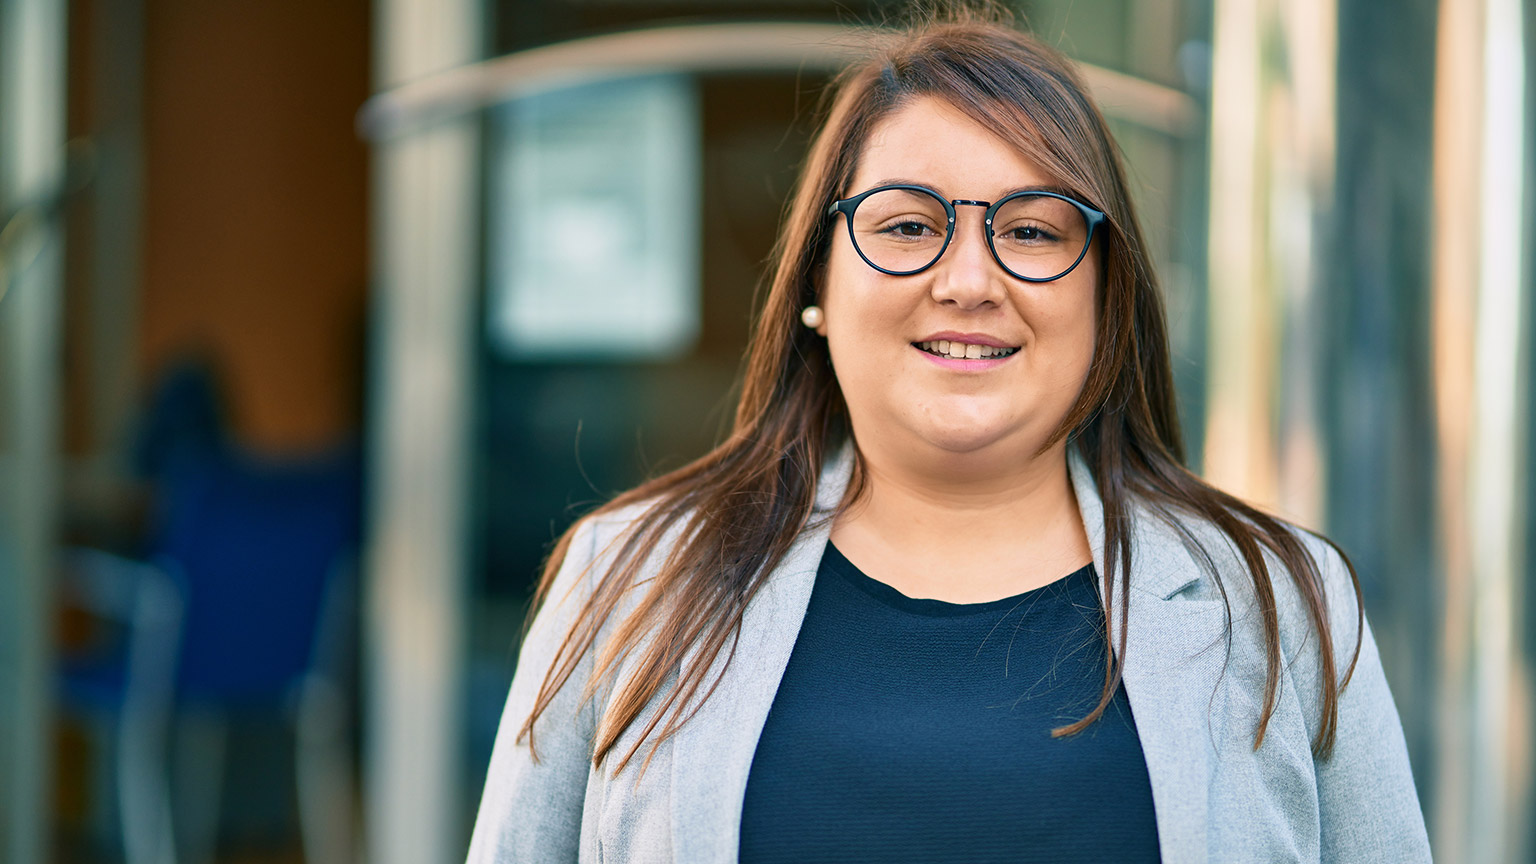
<point>696,48</point>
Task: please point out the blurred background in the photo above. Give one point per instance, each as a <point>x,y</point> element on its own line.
<point>319,321</point>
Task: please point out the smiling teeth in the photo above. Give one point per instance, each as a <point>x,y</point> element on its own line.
<point>963,351</point>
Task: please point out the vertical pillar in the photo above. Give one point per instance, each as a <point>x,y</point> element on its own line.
<point>425,193</point>
<point>1272,158</point>
<point>1479,294</point>
<point>1239,443</point>
<point>1376,314</point>
<point>32,63</point>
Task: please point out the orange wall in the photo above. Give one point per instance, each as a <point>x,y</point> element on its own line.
<point>255,206</point>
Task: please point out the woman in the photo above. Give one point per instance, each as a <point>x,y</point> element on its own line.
<point>947,591</point>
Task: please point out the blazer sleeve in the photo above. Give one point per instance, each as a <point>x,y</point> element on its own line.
<point>531,811</point>
<point>1369,808</point>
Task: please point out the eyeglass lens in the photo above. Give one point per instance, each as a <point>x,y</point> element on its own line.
<point>1033,236</point>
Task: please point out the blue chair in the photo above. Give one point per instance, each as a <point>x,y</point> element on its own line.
<point>130,679</point>
<point>252,579</point>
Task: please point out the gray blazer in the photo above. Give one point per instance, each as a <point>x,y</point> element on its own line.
<point>1216,798</point>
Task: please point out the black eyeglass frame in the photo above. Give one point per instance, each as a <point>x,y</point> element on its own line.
<point>846,206</point>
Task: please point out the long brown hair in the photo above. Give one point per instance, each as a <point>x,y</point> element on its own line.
<point>737,510</point>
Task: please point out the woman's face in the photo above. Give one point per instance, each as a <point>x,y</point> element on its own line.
<point>905,401</point>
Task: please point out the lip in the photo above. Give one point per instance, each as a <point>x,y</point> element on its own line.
<point>980,364</point>
<point>967,338</point>
<point>963,364</point>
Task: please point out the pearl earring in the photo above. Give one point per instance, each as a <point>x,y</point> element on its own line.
<point>811,316</point>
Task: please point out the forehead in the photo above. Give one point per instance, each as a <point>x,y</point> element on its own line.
<point>932,143</point>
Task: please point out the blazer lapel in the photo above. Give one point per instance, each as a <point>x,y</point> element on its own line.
<point>712,753</point>
<point>1173,658</point>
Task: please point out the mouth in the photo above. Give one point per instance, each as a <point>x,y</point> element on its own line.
<point>964,350</point>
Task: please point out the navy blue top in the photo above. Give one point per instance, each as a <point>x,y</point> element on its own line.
<point>920,730</point>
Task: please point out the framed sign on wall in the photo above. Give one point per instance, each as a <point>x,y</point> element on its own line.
<point>593,235</point>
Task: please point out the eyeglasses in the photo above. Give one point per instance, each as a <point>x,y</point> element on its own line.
<point>903,229</point>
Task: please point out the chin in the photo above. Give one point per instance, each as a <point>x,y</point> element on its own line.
<point>964,441</point>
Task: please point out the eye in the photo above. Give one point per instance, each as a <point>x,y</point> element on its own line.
<point>900,216</point>
<point>1031,235</point>
<point>1035,224</point>
<point>910,229</point>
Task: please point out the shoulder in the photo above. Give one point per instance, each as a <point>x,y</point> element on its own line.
<point>1312,598</point>
<point>604,526</point>
<point>598,539</point>
<point>1177,554</point>
<point>1182,557</point>
<point>610,535</point>
<point>1211,563</point>
<point>611,562</point>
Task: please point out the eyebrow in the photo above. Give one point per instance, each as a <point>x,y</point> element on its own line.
<point>1040,187</point>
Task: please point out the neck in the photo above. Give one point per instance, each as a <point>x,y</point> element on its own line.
<point>964,529</point>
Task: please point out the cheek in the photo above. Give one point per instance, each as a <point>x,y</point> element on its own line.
<point>859,328</point>
<point>1084,346</point>
<point>1066,320</point>
<point>1065,332</point>
<point>841,280</point>
<point>1083,327</point>
<point>861,306</point>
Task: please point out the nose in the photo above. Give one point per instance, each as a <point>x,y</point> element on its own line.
<point>968,276</point>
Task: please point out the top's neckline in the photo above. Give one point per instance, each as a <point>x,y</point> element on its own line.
<point>838,563</point>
